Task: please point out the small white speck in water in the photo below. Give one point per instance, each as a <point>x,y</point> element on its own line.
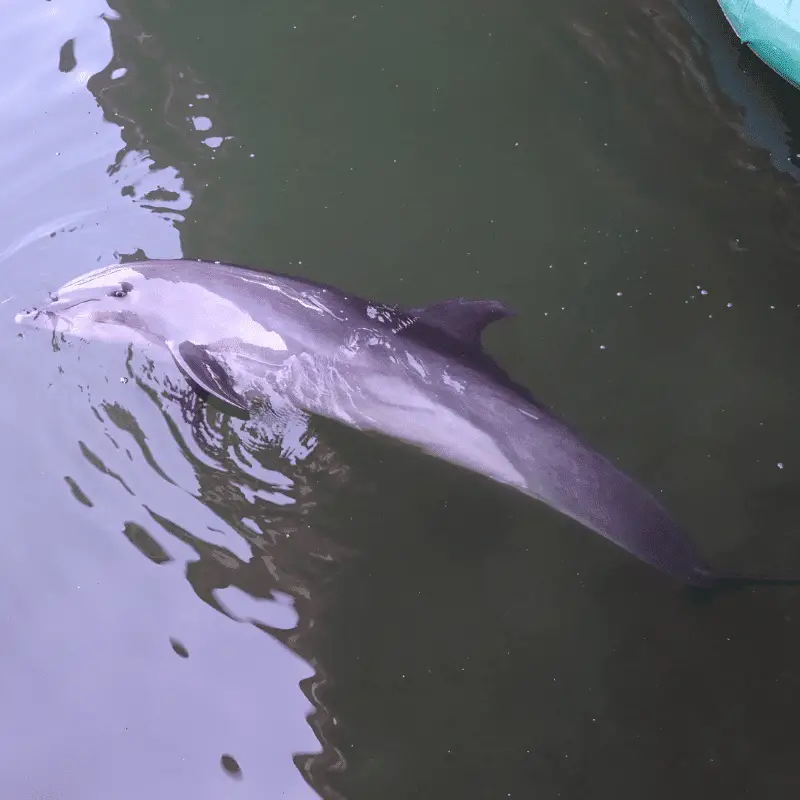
<point>619,294</point>
<point>780,465</point>
<point>730,305</point>
<point>602,347</point>
<point>704,291</point>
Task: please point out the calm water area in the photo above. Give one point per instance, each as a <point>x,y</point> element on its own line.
<point>212,611</point>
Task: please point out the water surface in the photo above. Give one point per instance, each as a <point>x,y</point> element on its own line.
<point>200,606</point>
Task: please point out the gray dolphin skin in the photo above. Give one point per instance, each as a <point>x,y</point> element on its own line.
<point>417,375</point>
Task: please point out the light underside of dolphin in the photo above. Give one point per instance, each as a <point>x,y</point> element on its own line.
<point>416,375</point>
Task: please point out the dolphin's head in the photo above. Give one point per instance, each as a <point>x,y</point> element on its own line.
<point>160,302</point>
<point>116,303</point>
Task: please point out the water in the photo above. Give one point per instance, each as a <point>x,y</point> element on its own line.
<point>198,606</point>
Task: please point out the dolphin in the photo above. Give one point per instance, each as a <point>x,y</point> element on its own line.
<point>418,375</point>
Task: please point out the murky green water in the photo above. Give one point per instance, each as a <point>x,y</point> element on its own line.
<point>199,608</point>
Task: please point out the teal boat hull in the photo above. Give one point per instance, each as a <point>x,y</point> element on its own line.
<point>771,29</point>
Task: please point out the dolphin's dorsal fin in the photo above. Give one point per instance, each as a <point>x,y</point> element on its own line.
<point>461,319</point>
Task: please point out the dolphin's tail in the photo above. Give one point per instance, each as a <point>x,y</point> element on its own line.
<point>573,478</point>
<point>734,579</point>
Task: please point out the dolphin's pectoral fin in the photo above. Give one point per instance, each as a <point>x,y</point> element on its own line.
<point>463,320</point>
<point>206,371</point>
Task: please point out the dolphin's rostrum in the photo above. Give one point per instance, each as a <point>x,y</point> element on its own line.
<point>418,375</point>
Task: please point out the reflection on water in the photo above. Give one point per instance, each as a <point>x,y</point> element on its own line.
<point>267,484</point>
<point>232,505</point>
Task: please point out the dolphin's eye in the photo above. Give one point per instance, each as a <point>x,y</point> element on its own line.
<point>124,289</point>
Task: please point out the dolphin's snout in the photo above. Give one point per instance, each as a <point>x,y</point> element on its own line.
<point>26,314</point>
<point>32,315</point>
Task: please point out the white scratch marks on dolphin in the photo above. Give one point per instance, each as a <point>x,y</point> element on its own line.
<point>416,365</point>
<point>303,299</point>
<point>321,307</point>
<point>452,383</point>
